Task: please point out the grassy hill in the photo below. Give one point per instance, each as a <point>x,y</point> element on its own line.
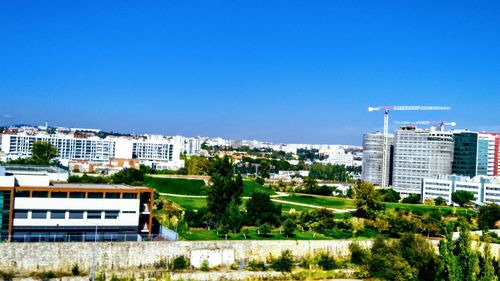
<point>323,201</point>
<point>177,186</point>
<point>249,186</point>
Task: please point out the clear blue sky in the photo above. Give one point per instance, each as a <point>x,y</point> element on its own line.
<point>282,71</point>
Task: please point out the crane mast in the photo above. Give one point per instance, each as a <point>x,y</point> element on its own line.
<point>386,109</point>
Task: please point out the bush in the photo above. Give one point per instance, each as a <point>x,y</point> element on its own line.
<point>326,262</point>
<point>284,263</point>
<point>205,266</point>
<point>260,180</point>
<point>289,227</point>
<point>265,230</point>
<point>359,255</point>
<point>75,270</point>
<point>180,263</point>
<point>256,265</point>
<point>412,199</point>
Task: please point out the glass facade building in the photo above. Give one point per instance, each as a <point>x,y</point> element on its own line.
<point>465,154</point>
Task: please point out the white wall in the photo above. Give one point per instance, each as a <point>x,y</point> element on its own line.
<point>124,219</point>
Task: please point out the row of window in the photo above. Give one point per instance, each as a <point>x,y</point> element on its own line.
<point>61,214</point>
<point>75,194</point>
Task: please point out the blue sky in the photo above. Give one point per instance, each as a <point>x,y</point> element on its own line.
<point>282,71</point>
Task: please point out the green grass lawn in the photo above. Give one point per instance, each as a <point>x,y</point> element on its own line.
<point>177,186</point>
<point>324,201</point>
<point>249,186</point>
<point>423,208</point>
<point>189,203</point>
<point>212,235</point>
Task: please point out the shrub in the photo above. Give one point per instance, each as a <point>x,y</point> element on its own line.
<point>75,270</point>
<point>265,230</point>
<point>326,262</point>
<point>284,263</point>
<point>289,227</point>
<point>359,255</point>
<point>205,266</point>
<point>180,263</point>
<point>256,265</point>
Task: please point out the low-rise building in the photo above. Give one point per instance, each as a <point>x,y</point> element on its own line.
<point>38,210</point>
<point>485,189</point>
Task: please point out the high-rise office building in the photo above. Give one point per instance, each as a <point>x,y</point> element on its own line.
<point>488,154</point>
<point>420,153</point>
<point>373,147</point>
<point>465,154</point>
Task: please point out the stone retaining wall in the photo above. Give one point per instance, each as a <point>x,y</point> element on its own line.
<point>29,257</point>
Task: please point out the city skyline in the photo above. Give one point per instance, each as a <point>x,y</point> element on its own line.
<point>238,71</point>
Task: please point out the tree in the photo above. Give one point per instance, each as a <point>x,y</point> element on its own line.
<point>387,263</point>
<point>390,195</point>
<point>412,199</point>
<point>128,176</point>
<point>289,227</point>
<point>197,165</point>
<point>420,255</point>
<point>368,200</point>
<point>284,262</point>
<point>260,209</point>
<point>467,258</point>
<point>225,188</point>
<point>265,229</point>
<point>43,152</point>
<point>488,215</point>
<point>233,217</point>
<point>440,201</point>
<point>488,270</point>
<point>462,197</point>
<point>264,169</point>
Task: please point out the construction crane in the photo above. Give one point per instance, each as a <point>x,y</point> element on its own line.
<point>386,110</point>
<point>441,124</point>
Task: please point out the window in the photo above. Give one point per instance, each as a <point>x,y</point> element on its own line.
<point>128,212</point>
<point>40,194</point>
<point>57,214</point>
<point>58,194</point>
<point>112,195</point>
<point>128,195</point>
<point>21,214</point>
<point>38,214</point>
<point>76,214</point>
<point>93,214</point>
<point>111,214</point>
<point>94,195</point>
<point>22,193</point>
<point>77,195</point>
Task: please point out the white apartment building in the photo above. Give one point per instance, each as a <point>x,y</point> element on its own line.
<point>373,145</point>
<point>418,154</point>
<point>485,189</point>
<point>339,158</point>
<point>148,149</point>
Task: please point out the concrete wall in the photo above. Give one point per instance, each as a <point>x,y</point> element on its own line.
<point>28,257</point>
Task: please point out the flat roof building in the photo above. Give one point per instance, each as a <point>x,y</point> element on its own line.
<point>48,212</point>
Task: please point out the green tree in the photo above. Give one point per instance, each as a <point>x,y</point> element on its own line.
<point>462,197</point>
<point>448,264</point>
<point>412,199</point>
<point>488,215</point>
<point>420,255</point>
<point>197,165</point>
<point>128,176</point>
<point>390,195</point>
<point>289,227</point>
<point>225,188</point>
<point>368,200</point>
<point>43,152</point>
<point>467,258</point>
<point>387,263</point>
<point>284,262</point>
<point>264,169</point>
<point>440,201</point>
<point>488,270</point>
<point>260,209</point>
<point>233,217</point>
<point>265,229</point>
